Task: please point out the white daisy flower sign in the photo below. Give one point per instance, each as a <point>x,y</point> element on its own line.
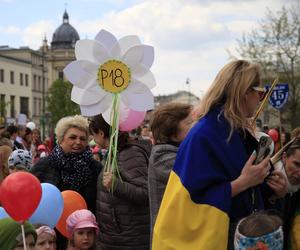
<point>106,67</point>
<point>112,77</point>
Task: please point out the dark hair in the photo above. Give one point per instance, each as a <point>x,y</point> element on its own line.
<point>165,119</point>
<point>28,131</point>
<point>98,123</point>
<point>5,134</point>
<point>21,127</point>
<point>93,247</point>
<point>287,137</point>
<point>295,132</point>
<point>259,224</point>
<point>12,129</point>
<point>295,145</point>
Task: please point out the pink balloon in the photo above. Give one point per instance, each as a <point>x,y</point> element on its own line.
<point>133,120</point>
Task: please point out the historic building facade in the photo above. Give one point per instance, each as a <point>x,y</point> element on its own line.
<point>26,74</point>
<point>21,81</point>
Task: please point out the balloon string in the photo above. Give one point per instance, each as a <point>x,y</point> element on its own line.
<point>111,162</point>
<point>23,236</point>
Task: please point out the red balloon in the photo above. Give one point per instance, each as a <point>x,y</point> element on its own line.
<point>21,193</point>
<point>273,133</point>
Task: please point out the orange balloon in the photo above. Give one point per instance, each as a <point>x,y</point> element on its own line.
<point>72,201</point>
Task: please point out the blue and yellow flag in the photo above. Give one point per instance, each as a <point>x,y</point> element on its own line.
<point>197,202</point>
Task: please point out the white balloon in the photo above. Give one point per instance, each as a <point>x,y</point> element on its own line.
<point>31,125</point>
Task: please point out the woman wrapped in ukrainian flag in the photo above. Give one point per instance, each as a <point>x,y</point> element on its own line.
<point>214,182</point>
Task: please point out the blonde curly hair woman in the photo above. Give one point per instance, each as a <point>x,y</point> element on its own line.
<point>70,165</point>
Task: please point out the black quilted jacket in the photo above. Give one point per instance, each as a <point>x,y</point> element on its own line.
<point>46,172</point>
<point>124,217</point>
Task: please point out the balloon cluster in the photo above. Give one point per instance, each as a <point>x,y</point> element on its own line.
<point>23,198</point>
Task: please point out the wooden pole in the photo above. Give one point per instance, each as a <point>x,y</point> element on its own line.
<point>280,129</point>
<point>261,107</point>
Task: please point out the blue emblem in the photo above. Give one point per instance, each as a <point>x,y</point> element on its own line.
<point>280,95</point>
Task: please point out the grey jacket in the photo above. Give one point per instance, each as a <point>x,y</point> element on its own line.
<point>161,162</point>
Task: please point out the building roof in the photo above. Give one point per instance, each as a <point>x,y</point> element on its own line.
<point>65,36</point>
<point>180,96</point>
<point>15,59</point>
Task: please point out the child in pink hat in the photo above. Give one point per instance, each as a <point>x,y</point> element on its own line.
<point>83,229</point>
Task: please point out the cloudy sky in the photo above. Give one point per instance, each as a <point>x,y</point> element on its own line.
<point>190,37</point>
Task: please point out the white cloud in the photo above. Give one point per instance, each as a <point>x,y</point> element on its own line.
<point>238,27</point>
<point>10,30</point>
<point>33,34</point>
<point>190,36</point>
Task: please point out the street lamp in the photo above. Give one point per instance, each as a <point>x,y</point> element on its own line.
<point>43,92</point>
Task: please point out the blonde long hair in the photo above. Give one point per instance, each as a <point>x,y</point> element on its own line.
<point>229,89</point>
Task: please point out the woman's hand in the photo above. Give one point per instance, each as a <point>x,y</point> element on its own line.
<point>107,180</point>
<point>278,183</point>
<point>251,175</point>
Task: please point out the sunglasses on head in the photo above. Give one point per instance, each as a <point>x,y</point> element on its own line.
<point>261,92</point>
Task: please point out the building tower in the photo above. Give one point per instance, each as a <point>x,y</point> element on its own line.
<point>61,51</point>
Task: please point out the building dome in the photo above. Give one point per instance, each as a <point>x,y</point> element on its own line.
<point>65,36</point>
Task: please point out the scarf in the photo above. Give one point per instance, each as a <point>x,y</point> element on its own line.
<point>74,167</point>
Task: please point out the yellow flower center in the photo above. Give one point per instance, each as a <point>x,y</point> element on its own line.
<point>114,76</point>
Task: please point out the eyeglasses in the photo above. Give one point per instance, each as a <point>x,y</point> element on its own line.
<point>261,92</point>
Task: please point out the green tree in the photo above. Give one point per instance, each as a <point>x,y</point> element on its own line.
<point>59,101</point>
<point>275,45</point>
<point>3,111</point>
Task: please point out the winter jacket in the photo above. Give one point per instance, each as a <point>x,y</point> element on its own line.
<point>160,165</point>
<point>123,216</point>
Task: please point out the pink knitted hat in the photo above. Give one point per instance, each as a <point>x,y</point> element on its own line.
<point>81,219</point>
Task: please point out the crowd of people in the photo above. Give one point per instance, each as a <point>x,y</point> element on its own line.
<point>185,180</point>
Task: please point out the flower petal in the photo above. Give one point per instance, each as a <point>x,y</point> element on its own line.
<point>137,87</point>
<point>90,50</point>
<point>81,73</point>
<point>147,79</point>
<point>87,96</point>
<point>106,39</point>
<point>148,57</point>
<point>138,102</point>
<point>123,113</point>
<point>97,108</point>
<point>106,115</point>
<point>124,44</point>
<point>139,55</point>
